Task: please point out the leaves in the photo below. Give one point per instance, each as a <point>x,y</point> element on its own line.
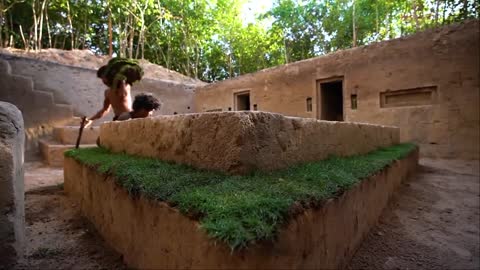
<point>209,40</point>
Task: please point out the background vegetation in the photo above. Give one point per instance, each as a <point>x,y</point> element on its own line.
<point>209,39</point>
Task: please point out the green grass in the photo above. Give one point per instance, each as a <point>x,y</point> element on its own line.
<point>239,210</point>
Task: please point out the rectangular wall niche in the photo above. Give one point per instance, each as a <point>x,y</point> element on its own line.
<point>409,97</point>
<point>353,101</point>
<point>309,104</point>
<point>214,110</point>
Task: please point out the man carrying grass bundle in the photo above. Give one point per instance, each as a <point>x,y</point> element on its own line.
<point>119,74</point>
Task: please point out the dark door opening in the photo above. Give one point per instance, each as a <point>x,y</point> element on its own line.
<point>331,96</point>
<point>242,101</point>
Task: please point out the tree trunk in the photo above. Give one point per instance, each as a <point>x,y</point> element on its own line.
<point>35,39</point>
<point>415,15</point>
<point>23,38</point>
<point>354,43</point>
<point>48,28</point>
<point>197,60</point>
<point>130,39</point>
<point>72,40</point>
<point>110,32</point>
<point>12,43</point>
<point>444,10</point>
<point>437,5</point>
<point>64,41</point>
<point>1,35</point>
<point>40,32</point>
<point>465,9</point>
<point>377,30</point>
<point>1,25</point>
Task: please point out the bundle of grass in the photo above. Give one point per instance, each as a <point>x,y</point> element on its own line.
<point>121,69</point>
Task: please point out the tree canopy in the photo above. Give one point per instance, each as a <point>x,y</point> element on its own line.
<point>209,39</point>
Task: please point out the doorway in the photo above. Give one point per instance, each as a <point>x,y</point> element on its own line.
<point>242,101</point>
<point>331,99</point>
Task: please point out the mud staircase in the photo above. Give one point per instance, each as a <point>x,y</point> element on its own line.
<point>64,138</point>
<point>35,104</point>
<point>40,108</point>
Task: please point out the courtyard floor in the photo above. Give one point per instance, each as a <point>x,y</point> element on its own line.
<point>432,222</point>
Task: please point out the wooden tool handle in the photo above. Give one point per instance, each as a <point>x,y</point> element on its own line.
<point>82,125</point>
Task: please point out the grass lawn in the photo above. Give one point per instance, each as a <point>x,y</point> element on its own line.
<point>238,209</point>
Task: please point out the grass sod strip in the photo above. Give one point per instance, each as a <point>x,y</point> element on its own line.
<point>239,210</point>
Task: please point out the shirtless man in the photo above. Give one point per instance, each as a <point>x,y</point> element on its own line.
<point>119,99</point>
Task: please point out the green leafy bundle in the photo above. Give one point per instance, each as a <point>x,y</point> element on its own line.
<point>122,69</point>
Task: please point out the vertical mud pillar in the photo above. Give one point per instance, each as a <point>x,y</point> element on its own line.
<point>12,199</point>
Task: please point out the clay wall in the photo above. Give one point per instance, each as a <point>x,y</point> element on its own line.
<point>50,94</point>
<point>241,142</point>
<point>427,84</point>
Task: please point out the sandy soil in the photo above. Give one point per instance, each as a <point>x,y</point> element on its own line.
<point>59,238</point>
<point>431,223</point>
<point>38,175</point>
<point>87,59</point>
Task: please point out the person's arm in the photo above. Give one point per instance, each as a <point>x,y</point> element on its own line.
<point>101,113</point>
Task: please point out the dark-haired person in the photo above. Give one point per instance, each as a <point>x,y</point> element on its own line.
<point>101,74</point>
<point>143,106</point>
<point>119,99</point>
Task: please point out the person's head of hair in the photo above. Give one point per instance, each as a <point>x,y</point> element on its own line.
<point>102,74</point>
<point>101,71</point>
<point>144,105</point>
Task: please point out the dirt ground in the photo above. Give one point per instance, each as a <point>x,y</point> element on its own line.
<point>38,175</point>
<point>431,223</point>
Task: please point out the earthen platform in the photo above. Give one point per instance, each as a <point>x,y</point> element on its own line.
<point>152,235</point>
<point>242,142</point>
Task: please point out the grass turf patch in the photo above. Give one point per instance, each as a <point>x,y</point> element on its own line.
<point>239,210</point>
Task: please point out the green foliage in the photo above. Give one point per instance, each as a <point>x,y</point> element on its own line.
<point>239,210</point>
<point>119,69</point>
<point>207,39</point>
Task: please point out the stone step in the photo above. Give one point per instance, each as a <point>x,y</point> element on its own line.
<point>52,151</point>
<point>69,134</point>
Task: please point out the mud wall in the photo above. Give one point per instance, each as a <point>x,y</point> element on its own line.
<point>427,84</point>
<point>152,235</point>
<point>80,87</point>
<point>50,94</point>
<point>241,142</point>
<point>12,207</point>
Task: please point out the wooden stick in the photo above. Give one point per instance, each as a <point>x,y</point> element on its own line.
<point>82,125</point>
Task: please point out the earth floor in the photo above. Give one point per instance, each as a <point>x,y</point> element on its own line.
<point>431,223</point>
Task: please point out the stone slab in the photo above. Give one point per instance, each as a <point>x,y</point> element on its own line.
<point>242,142</point>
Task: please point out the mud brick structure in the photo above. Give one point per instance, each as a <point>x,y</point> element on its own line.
<point>427,84</point>
<point>241,142</point>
